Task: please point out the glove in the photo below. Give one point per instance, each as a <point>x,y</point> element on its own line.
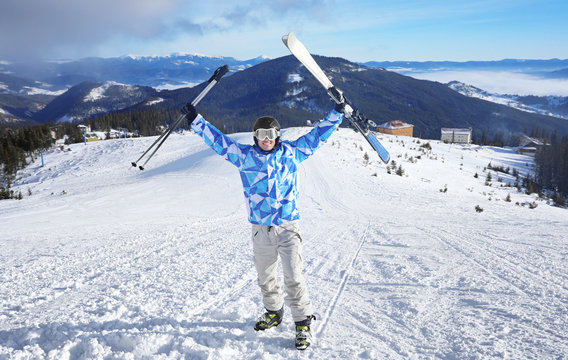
<point>340,108</point>
<point>336,94</point>
<point>189,111</point>
<point>338,98</point>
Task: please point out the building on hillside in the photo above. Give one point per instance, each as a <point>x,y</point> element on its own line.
<point>458,136</point>
<point>84,128</point>
<point>528,145</point>
<point>527,141</point>
<point>396,127</point>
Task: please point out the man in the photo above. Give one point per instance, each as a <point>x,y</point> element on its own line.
<point>268,171</point>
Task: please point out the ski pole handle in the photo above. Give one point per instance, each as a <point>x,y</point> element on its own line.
<point>219,73</point>
<point>337,96</point>
<point>212,81</point>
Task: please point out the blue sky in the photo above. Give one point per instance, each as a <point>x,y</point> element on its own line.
<point>359,30</point>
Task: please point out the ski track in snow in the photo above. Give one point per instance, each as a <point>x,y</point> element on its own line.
<point>344,278</point>
<point>103,261</point>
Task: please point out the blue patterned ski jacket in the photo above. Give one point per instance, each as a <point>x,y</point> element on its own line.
<point>269,178</point>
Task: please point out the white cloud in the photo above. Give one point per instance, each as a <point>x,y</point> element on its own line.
<point>501,82</point>
<point>38,28</point>
<point>77,28</point>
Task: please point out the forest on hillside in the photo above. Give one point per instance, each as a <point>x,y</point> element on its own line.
<point>552,168</point>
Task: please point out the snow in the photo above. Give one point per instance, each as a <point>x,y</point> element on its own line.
<point>28,90</point>
<point>176,85</point>
<point>295,91</point>
<point>103,261</point>
<point>293,78</point>
<point>98,92</point>
<point>5,112</point>
<point>66,119</point>
<point>395,124</point>
<point>154,101</point>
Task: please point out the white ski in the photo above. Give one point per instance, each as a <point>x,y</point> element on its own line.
<point>360,123</point>
<point>302,54</point>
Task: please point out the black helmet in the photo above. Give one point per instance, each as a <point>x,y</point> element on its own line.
<point>266,122</point>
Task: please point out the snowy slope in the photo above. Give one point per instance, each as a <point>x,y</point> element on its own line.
<point>103,261</point>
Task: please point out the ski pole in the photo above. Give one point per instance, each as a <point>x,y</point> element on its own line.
<point>167,133</point>
<point>163,135</point>
<point>151,146</point>
<point>215,78</point>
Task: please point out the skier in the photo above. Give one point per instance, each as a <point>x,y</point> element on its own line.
<point>268,171</point>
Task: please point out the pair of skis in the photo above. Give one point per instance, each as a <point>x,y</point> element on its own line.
<point>357,120</point>
<point>215,78</point>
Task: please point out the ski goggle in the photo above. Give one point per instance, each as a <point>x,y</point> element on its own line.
<point>262,134</point>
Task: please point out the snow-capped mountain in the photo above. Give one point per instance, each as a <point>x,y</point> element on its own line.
<point>161,72</point>
<point>90,99</point>
<point>102,261</point>
<point>26,89</point>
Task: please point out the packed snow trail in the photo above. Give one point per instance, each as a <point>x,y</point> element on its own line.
<point>103,261</point>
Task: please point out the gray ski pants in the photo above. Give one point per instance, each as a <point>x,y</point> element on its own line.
<point>269,242</point>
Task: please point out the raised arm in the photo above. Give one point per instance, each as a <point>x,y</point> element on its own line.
<point>307,144</point>
<point>223,145</point>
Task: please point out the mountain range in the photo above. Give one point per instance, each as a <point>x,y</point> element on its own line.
<point>175,70</point>
<point>25,89</point>
<point>281,87</point>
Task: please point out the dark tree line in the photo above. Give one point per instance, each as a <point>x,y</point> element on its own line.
<point>552,167</point>
<point>146,123</point>
<point>19,146</point>
<point>16,147</point>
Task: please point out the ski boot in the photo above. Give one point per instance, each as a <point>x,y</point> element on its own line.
<point>269,319</point>
<point>303,333</point>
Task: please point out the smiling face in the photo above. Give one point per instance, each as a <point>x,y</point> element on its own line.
<point>266,144</point>
<point>266,137</point>
<point>266,132</point>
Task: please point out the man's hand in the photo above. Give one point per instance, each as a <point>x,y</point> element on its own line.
<point>338,98</point>
<point>189,111</point>
<point>340,108</point>
<point>336,95</point>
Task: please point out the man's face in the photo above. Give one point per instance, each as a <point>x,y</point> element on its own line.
<point>266,138</point>
<point>266,144</point>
